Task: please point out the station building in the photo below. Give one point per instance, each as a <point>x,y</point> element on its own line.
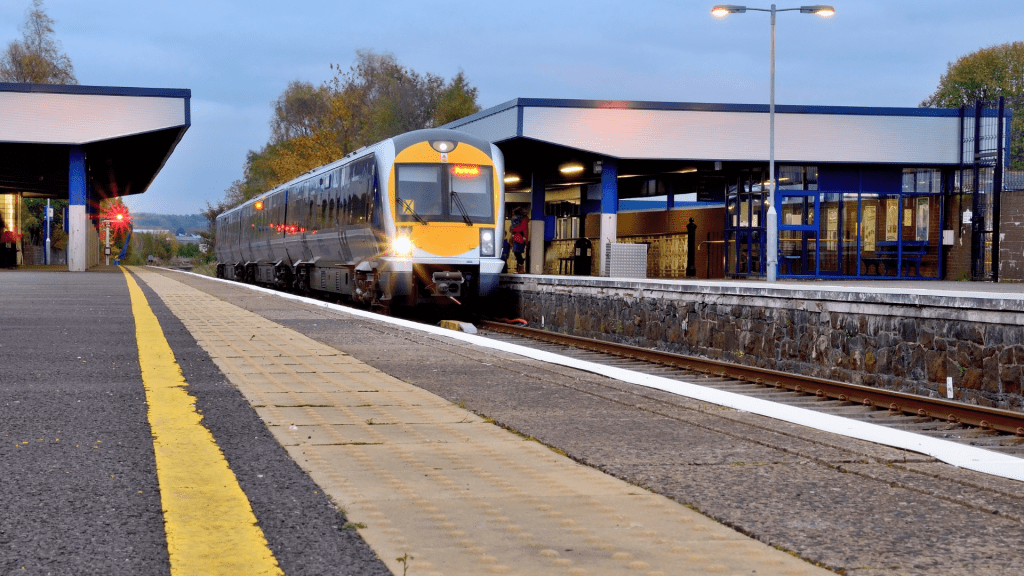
<point>83,144</point>
<point>897,193</point>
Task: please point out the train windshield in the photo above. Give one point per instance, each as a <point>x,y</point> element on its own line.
<point>444,193</point>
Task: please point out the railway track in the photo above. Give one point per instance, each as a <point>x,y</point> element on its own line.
<point>989,428</point>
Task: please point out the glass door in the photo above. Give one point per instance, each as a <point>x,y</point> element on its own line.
<point>745,221</point>
<point>798,234</point>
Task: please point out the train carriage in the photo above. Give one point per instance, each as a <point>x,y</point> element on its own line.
<point>414,219</point>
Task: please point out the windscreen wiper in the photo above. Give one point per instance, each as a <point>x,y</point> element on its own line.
<point>407,206</point>
<point>462,209</point>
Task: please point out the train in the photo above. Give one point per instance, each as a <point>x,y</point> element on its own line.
<point>414,220</point>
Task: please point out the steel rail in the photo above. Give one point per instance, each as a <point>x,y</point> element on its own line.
<point>937,408</point>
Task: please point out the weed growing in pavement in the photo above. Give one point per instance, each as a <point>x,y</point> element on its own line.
<point>354,526</point>
<point>404,559</point>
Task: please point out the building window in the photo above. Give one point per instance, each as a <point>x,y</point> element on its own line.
<point>798,178</point>
<point>922,181</point>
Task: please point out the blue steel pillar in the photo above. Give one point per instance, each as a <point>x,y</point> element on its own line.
<point>77,191</point>
<point>609,210</point>
<point>538,198</point>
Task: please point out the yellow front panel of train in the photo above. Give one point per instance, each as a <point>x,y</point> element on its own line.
<point>441,238</point>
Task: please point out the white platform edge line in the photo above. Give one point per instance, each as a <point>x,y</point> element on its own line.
<point>969,457</point>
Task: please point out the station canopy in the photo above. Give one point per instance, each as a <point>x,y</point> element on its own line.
<point>127,135</point>
<point>541,137</point>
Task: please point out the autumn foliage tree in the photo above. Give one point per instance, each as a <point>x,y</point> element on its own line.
<point>987,74</point>
<point>37,58</point>
<point>374,99</point>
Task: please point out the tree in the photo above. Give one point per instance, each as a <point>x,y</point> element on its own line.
<point>374,99</point>
<point>382,98</point>
<point>987,74</point>
<point>33,222</point>
<point>189,250</point>
<point>457,100</point>
<point>302,110</point>
<point>37,58</point>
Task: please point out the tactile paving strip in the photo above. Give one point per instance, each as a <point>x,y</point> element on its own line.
<point>418,476</point>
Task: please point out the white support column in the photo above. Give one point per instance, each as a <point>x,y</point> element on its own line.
<point>77,193</point>
<point>609,210</point>
<point>609,235</point>
<point>536,247</point>
<point>76,239</point>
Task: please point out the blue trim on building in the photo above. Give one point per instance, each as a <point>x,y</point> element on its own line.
<point>609,186</point>
<point>77,191</point>
<point>538,195</point>
<point>96,90</point>
<point>758,108</point>
<point>700,107</point>
<point>647,205</point>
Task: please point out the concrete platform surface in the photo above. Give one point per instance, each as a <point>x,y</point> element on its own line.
<point>434,488</point>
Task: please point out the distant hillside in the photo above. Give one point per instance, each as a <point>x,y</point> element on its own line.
<point>191,223</point>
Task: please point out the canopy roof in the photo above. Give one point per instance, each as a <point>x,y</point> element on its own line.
<point>540,135</point>
<point>127,134</point>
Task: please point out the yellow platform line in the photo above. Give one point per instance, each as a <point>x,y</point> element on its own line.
<point>210,526</point>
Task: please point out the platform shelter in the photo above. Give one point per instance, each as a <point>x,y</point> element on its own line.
<point>862,191</point>
<point>84,144</point>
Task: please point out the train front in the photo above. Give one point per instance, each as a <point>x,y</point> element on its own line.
<point>446,202</point>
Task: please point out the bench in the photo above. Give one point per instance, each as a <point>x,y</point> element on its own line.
<point>791,262</point>
<point>566,265</point>
<point>888,252</point>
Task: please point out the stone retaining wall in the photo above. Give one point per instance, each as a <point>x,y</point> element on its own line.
<point>890,338</point>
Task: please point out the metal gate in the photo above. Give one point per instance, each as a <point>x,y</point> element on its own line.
<point>983,134</point>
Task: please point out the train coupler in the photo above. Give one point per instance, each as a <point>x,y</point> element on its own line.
<point>447,284</point>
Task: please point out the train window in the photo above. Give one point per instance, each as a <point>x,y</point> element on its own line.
<point>418,192</point>
<point>470,194</point>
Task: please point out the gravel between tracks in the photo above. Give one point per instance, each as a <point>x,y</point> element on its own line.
<point>850,505</point>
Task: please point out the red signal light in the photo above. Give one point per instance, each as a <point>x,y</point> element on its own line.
<point>258,205</point>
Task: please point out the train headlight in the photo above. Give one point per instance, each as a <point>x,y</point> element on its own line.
<point>443,146</point>
<point>402,246</point>
<point>487,242</point>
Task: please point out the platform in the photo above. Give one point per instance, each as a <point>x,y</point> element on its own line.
<point>426,483</point>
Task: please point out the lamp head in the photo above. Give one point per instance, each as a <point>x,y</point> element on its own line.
<point>822,10</point>
<point>723,10</point>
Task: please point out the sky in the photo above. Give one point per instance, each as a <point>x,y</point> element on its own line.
<point>237,57</point>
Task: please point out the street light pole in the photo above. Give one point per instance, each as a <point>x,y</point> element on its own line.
<point>773,215</point>
<point>722,11</point>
